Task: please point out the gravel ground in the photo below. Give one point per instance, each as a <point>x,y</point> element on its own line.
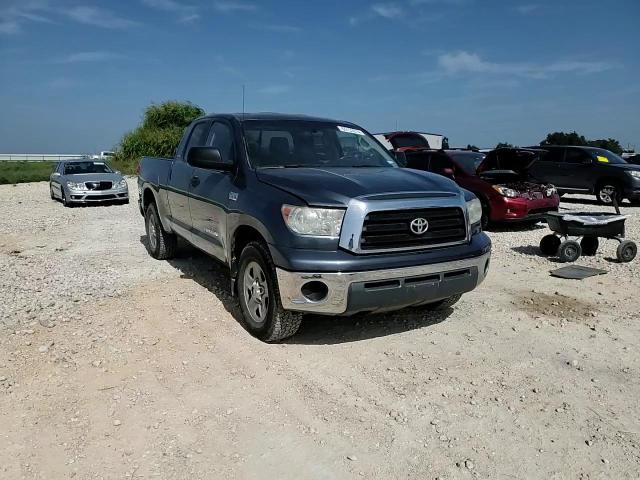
<point>114,365</point>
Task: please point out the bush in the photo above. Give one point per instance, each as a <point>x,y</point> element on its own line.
<point>22,172</point>
<point>157,136</point>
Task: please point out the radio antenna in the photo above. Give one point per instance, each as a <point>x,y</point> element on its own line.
<point>243,88</point>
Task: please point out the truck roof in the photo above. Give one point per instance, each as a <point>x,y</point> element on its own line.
<point>275,116</point>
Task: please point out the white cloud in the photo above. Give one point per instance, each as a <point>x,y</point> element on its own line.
<point>527,9</point>
<point>98,17</point>
<point>277,28</point>
<point>84,57</point>
<point>14,13</point>
<point>186,13</point>
<point>387,10</point>
<point>228,6</point>
<point>465,62</point>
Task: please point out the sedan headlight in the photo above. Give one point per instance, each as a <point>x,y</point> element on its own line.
<point>76,186</point>
<point>121,184</point>
<point>317,222</point>
<point>634,173</point>
<point>474,211</point>
<point>505,192</point>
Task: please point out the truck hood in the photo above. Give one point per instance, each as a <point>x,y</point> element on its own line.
<point>334,187</point>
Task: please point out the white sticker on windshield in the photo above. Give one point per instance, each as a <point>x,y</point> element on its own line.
<point>355,131</point>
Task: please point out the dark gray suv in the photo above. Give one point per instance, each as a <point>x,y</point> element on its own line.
<point>588,170</point>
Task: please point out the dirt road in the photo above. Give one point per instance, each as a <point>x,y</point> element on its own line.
<point>114,365</point>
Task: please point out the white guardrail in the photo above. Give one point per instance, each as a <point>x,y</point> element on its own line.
<point>39,157</point>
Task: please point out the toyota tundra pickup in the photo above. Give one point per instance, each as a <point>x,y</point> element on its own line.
<point>312,216</point>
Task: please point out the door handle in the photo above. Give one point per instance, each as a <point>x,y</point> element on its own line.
<point>195,181</point>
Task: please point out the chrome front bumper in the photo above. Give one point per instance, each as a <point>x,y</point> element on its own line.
<point>379,290</point>
<point>113,195</point>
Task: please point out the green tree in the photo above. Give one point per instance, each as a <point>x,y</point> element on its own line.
<point>504,145</point>
<point>563,138</point>
<point>158,135</point>
<point>610,144</point>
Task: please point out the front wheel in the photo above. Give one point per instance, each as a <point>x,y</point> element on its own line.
<point>65,202</point>
<point>627,251</point>
<point>607,192</point>
<point>53,197</point>
<point>262,310</point>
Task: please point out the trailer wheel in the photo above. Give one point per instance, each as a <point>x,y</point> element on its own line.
<point>569,251</point>
<point>549,244</point>
<point>589,245</point>
<point>627,251</point>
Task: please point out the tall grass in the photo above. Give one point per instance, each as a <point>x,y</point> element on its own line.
<point>22,172</point>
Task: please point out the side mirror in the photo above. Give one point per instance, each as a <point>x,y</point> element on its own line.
<point>117,172</point>
<point>207,157</point>
<point>56,174</point>
<point>448,172</point>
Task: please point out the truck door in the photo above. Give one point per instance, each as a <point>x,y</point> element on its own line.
<point>180,182</point>
<point>209,195</point>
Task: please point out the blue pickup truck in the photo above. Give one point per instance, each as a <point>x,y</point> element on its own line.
<point>312,216</point>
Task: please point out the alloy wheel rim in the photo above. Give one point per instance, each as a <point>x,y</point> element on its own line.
<point>152,233</point>
<point>256,292</point>
<point>607,193</point>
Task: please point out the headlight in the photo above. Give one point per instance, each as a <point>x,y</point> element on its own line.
<point>474,210</point>
<point>550,191</point>
<point>505,192</point>
<point>634,173</point>
<point>76,186</point>
<point>121,184</point>
<point>320,222</point>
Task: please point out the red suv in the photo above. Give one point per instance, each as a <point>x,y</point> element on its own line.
<point>500,180</point>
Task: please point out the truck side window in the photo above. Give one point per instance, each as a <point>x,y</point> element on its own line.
<point>198,137</point>
<point>222,139</point>
<point>555,155</point>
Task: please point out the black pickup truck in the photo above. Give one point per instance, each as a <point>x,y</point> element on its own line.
<point>312,215</point>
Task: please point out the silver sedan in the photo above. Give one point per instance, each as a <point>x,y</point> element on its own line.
<point>87,181</point>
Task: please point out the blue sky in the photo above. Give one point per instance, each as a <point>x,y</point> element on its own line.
<point>76,75</point>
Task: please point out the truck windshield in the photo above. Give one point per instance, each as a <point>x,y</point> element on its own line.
<point>78,168</point>
<point>605,156</point>
<point>296,144</point>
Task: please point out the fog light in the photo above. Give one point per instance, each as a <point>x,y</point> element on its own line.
<point>314,291</point>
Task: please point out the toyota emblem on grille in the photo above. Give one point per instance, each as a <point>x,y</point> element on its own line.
<point>419,225</point>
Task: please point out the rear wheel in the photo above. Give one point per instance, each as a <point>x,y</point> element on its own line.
<point>262,310</point>
<point>607,192</point>
<point>569,251</point>
<point>161,245</point>
<point>589,245</point>
<point>549,244</point>
<point>627,251</point>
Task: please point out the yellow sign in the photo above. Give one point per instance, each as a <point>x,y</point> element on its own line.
<point>603,159</point>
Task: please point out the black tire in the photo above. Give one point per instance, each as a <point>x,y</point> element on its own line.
<point>53,197</point>
<point>443,304</point>
<point>607,191</point>
<point>549,244</point>
<point>65,202</point>
<point>589,246</point>
<point>161,245</point>
<point>569,251</point>
<point>627,251</point>
<point>262,310</point>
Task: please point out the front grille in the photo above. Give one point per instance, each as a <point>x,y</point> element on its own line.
<point>98,185</point>
<point>391,230</point>
<point>100,197</point>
